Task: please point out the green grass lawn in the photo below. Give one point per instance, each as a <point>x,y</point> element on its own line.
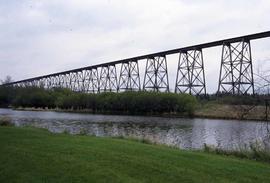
<point>36,155</point>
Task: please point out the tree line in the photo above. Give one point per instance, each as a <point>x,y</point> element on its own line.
<point>127,102</point>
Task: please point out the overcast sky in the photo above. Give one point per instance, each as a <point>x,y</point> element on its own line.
<point>46,36</point>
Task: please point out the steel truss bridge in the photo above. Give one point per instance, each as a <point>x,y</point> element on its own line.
<point>236,71</point>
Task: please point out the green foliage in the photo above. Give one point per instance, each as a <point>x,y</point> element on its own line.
<point>7,93</point>
<point>230,99</point>
<point>32,97</point>
<point>127,102</point>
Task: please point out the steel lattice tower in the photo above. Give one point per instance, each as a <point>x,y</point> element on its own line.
<point>236,72</point>
<point>190,73</point>
<point>129,79</point>
<point>156,74</point>
<point>108,79</point>
<point>93,79</point>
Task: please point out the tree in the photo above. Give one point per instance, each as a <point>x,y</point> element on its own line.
<point>7,80</point>
<point>262,78</point>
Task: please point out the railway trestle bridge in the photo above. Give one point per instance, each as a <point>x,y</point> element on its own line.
<point>235,77</point>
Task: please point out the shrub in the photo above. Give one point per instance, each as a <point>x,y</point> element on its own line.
<point>5,121</point>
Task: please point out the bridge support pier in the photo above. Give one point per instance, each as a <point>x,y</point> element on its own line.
<point>190,73</point>
<point>94,81</point>
<point>156,74</point>
<point>34,83</point>
<point>129,79</point>
<point>82,81</point>
<point>49,82</point>
<point>108,79</point>
<point>236,72</point>
<point>55,81</point>
<point>43,83</point>
<point>67,81</point>
<point>61,79</point>
<point>73,81</point>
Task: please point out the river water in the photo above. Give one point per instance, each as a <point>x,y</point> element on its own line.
<point>183,133</point>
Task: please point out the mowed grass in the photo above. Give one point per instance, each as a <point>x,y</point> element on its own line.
<point>36,155</point>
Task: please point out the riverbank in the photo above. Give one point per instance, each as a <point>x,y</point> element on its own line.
<point>36,155</point>
<point>225,111</point>
<point>143,103</point>
<point>208,110</point>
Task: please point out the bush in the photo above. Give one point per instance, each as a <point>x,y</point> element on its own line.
<point>7,94</point>
<point>230,99</point>
<point>5,121</point>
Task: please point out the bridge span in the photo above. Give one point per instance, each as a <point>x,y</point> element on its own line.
<point>236,71</point>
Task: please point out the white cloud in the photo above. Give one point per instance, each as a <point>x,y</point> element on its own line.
<point>41,37</point>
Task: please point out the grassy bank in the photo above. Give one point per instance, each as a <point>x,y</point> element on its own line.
<point>35,155</point>
<point>227,111</point>
<point>241,107</point>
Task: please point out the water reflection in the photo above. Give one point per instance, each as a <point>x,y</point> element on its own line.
<point>180,132</point>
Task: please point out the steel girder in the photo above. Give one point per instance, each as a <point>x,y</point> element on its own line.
<point>156,74</point>
<point>236,70</point>
<point>108,79</point>
<point>83,81</point>
<point>129,79</point>
<point>190,73</point>
<point>92,84</point>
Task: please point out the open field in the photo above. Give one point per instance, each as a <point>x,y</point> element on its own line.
<point>36,155</point>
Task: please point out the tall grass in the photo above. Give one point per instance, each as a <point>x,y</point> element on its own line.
<point>259,151</point>
<point>5,121</point>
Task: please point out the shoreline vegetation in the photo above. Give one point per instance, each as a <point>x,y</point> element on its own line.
<point>37,155</point>
<point>212,111</point>
<point>232,112</point>
<point>135,103</point>
<point>108,102</point>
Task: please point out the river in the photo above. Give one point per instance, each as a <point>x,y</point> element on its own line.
<point>184,133</point>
